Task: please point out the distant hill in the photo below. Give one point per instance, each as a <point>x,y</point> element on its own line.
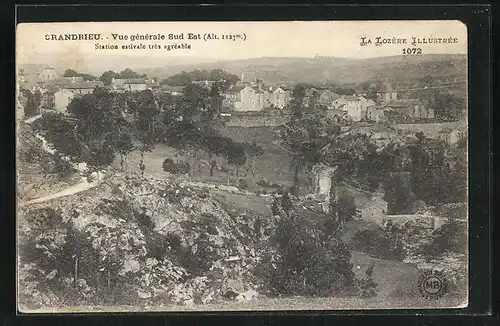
<point>328,70</point>
<point>273,70</point>
<point>97,64</point>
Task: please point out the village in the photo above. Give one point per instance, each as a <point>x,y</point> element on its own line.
<point>389,117</point>
<point>389,107</point>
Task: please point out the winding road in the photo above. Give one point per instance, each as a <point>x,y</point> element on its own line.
<point>79,187</point>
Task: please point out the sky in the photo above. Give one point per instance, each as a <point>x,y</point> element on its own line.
<point>262,39</point>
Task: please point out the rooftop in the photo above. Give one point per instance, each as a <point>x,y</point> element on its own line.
<point>85,85</point>
<point>351,98</point>
<point>403,103</point>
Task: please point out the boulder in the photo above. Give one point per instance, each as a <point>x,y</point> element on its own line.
<point>231,288</point>
<point>247,296</point>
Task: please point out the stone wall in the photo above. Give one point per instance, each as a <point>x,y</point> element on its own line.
<point>429,221</point>
<point>256,119</point>
<point>430,130</point>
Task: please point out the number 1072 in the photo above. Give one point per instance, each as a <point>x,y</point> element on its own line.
<point>412,51</point>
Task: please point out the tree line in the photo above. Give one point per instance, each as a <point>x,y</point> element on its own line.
<point>225,79</point>
<point>422,169</point>
<point>104,124</point>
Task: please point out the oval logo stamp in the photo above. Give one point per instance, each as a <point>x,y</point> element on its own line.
<point>432,284</point>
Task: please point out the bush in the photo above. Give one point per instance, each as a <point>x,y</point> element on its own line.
<point>263,183</point>
<point>44,218</point>
<point>198,258</point>
<point>157,245</point>
<point>377,244</point>
<point>176,168</point>
<point>242,184</point>
<point>368,286</point>
<point>59,131</point>
<point>310,261</point>
<point>451,237</point>
<point>62,167</point>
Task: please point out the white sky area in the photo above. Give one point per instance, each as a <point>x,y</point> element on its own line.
<point>263,39</point>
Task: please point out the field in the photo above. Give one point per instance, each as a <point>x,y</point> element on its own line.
<point>273,165</point>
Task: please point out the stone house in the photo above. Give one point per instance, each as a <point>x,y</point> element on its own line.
<point>204,83</point>
<point>173,90</point>
<point>387,93</point>
<point>452,136</point>
<point>85,87</point>
<point>327,98</point>
<point>413,108</point>
<point>322,183</point>
<point>339,104</point>
<point>357,107</point>
<point>251,99</point>
<point>62,98</point>
<point>375,113</point>
<point>280,97</point>
<point>374,210</point>
<point>48,74</point>
<point>130,84</point>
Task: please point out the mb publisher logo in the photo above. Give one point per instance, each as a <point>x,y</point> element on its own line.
<point>432,285</point>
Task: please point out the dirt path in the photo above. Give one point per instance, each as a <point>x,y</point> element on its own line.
<point>79,187</point>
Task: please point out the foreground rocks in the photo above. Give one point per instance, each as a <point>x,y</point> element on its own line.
<point>137,240</point>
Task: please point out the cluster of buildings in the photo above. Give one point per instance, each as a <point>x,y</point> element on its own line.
<point>388,111</point>
<point>388,107</point>
<point>255,97</point>
<point>57,91</point>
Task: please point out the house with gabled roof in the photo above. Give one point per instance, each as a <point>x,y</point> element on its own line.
<point>452,136</point>
<point>130,84</point>
<point>413,108</point>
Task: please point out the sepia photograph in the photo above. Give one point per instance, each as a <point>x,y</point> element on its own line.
<point>241,166</point>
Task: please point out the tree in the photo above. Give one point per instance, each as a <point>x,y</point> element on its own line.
<point>346,208</point>
<point>73,73</point>
<point>99,123</point>
<point>311,260</point>
<point>447,106</point>
<point>236,155</point>
<point>107,77</point>
<point>215,104</point>
<point>70,73</point>
<point>302,135</point>
<point>397,195</point>
<point>124,146</point>
<point>129,73</point>
<point>33,103</point>
<point>195,102</point>
<point>296,105</point>
<point>219,76</point>
<point>145,110</point>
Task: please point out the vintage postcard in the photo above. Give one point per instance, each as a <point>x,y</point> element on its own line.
<point>229,166</point>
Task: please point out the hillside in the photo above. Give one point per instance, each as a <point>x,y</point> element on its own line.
<point>332,70</point>
<point>318,70</point>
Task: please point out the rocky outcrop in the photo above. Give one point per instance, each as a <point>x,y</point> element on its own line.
<point>161,243</point>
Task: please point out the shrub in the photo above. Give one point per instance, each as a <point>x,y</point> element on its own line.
<point>145,221</point>
<point>44,218</point>
<point>368,286</point>
<point>156,245</point>
<point>118,208</point>
<point>176,168</point>
<point>62,167</point>
<point>310,261</point>
<point>452,236</point>
<point>198,258</point>
<point>377,244</point>
<point>262,183</point>
<point>242,184</point>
